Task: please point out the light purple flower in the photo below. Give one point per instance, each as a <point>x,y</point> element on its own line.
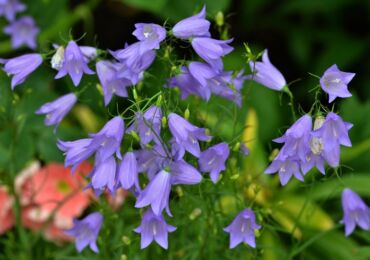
<point>128,174</point>
<point>74,64</point>
<point>104,143</point>
<point>184,173</point>
<point>186,134</point>
<point>104,175</point>
<point>86,231</point>
<point>154,227</point>
<point>355,212</point>
<point>242,229</point>
<point>286,167</point>
<point>267,74</point>
<point>89,53</point>
<point>156,194</point>
<point>212,50</point>
<point>23,32</point>
<point>334,82</point>
<point>9,9</point>
<point>112,85</point>
<point>150,35</point>
<point>213,160</point>
<point>56,110</point>
<point>147,125</point>
<point>194,26</point>
<point>21,67</point>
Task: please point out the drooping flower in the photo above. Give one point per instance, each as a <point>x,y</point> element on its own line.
<point>212,50</point>
<point>333,133</point>
<point>242,229</point>
<point>147,125</point>
<point>56,110</point>
<point>128,172</point>
<point>286,168</point>
<point>86,231</point>
<point>23,32</point>
<point>154,227</point>
<point>74,64</point>
<point>156,194</point>
<point>51,198</point>
<point>104,175</point>
<point>112,85</point>
<point>150,35</point>
<point>355,212</point>
<point>9,9</point>
<point>89,53</point>
<point>213,160</point>
<point>21,67</point>
<point>186,134</point>
<point>194,26</point>
<point>334,82</point>
<point>104,143</point>
<point>6,211</point>
<point>267,74</point>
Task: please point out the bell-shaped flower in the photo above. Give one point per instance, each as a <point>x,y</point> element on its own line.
<point>150,35</point>
<point>186,134</point>
<point>23,32</point>
<point>355,212</point>
<point>334,82</point>
<point>194,26</point>
<point>21,67</point>
<point>242,229</point>
<point>286,168</point>
<point>56,110</point>
<point>111,83</point>
<point>104,175</point>
<point>147,125</point>
<point>213,160</point>
<point>212,50</point>
<point>184,173</point>
<point>154,227</point>
<point>74,64</point>
<point>267,74</point>
<point>86,231</point>
<point>156,194</point>
<point>9,8</point>
<point>128,174</point>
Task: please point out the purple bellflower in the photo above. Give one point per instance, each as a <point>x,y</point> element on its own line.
<point>150,35</point>
<point>23,32</point>
<point>104,143</point>
<point>286,168</point>
<point>74,64</point>
<point>186,134</point>
<point>213,160</point>
<point>212,50</point>
<point>333,133</point>
<point>334,82</point>
<point>56,110</point>
<point>21,67</point>
<point>89,53</point>
<point>267,74</point>
<point>355,212</point>
<point>147,125</point>
<point>155,228</point>
<point>128,172</point>
<point>112,85</point>
<point>104,175</point>
<point>86,231</point>
<point>194,26</point>
<point>9,9</point>
<point>242,229</point>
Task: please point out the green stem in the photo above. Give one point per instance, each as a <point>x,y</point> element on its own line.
<point>291,103</point>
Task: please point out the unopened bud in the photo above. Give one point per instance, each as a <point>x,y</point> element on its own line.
<point>135,136</point>
<point>164,122</point>
<point>136,97</point>
<point>159,101</point>
<point>273,154</point>
<point>187,114</point>
<point>126,240</point>
<point>319,121</point>
<point>220,19</point>
<point>58,58</point>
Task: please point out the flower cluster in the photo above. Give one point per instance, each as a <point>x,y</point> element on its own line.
<point>22,31</point>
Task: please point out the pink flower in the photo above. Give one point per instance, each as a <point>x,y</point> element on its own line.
<point>6,212</point>
<point>52,197</point>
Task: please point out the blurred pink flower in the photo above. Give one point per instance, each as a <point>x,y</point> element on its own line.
<point>6,212</point>
<point>52,197</point>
